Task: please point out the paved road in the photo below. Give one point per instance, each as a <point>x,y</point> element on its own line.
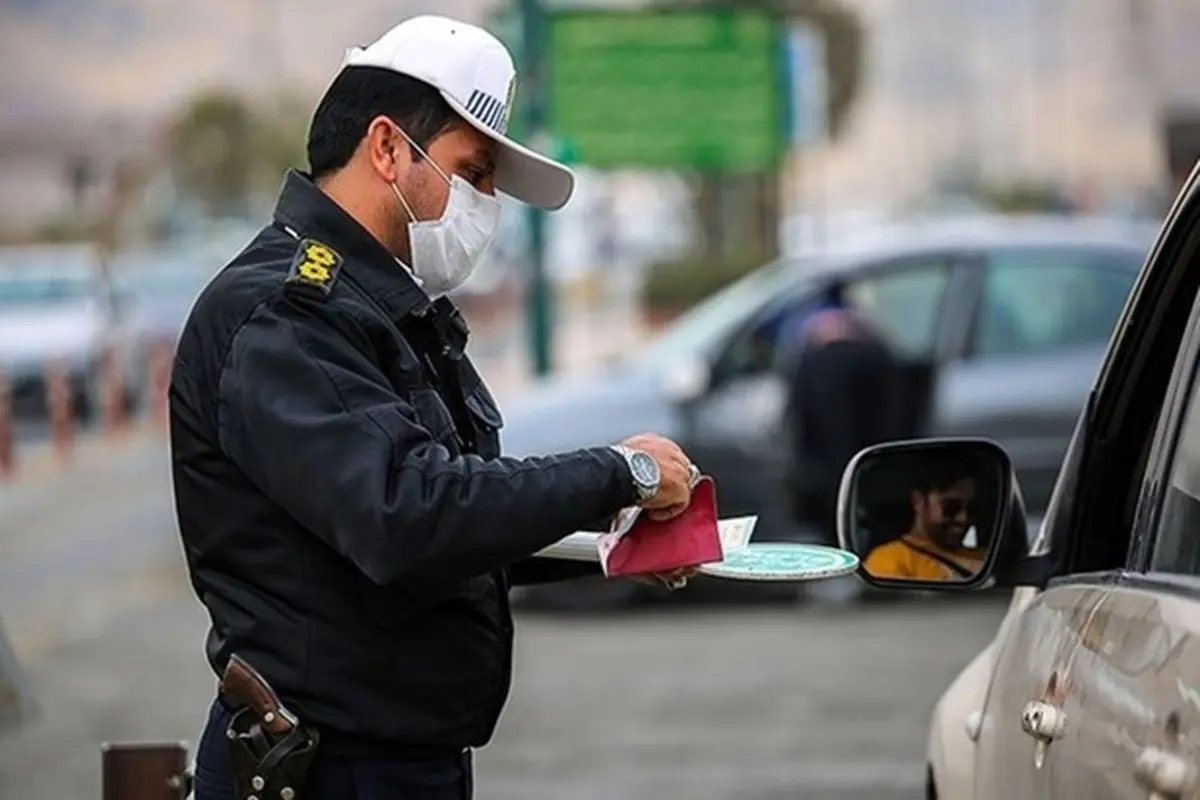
<point>704,704</point>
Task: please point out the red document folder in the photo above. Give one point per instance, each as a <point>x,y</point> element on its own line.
<point>643,546</point>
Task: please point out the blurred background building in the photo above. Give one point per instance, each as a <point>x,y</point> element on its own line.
<point>1071,93</point>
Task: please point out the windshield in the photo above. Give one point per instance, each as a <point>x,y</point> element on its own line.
<point>710,322</point>
<point>19,292</point>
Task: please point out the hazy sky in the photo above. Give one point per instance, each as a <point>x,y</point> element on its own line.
<point>1011,84</point>
<point>95,55</point>
<point>115,56</point>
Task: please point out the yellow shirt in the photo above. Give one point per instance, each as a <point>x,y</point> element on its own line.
<point>900,560</point>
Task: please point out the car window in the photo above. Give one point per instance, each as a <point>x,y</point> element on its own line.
<point>1177,544</point>
<point>764,345</point>
<point>709,323</point>
<point>905,303</point>
<point>1043,300</point>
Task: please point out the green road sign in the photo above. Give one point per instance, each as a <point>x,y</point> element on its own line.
<point>668,89</point>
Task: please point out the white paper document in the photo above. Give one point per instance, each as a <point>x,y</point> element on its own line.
<point>585,546</point>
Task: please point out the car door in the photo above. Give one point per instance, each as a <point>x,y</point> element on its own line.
<point>905,299</point>
<point>1140,666</point>
<point>1077,691</point>
<point>1033,673</point>
<point>915,302</point>
<point>1044,317</point>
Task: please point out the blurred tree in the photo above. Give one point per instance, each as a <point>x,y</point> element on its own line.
<point>845,44</point>
<point>225,152</point>
<point>117,226</point>
<point>212,151</point>
<point>672,287</point>
<point>1025,197</point>
<point>65,229</point>
<point>80,175</point>
<point>280,138</point>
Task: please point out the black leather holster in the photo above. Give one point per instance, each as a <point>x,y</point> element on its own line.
<point>270,750</point>
<point>267,764</point>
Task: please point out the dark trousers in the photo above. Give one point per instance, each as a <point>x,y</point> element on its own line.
<point>337,777</point>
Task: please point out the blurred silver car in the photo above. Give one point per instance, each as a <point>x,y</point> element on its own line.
<point>56,306</point>
<point>1001,321</point>
<point>158,288</point>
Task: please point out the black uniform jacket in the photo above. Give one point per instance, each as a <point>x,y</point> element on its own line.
<point>347,518</point>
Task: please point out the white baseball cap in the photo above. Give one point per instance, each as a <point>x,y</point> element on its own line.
<point>474,73</point>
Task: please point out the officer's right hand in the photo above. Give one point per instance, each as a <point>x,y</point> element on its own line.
<point>675,475</point>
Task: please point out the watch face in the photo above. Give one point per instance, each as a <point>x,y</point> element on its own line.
<point>644,469</point>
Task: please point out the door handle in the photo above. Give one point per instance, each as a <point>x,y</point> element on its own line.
<point>1166,775</point>
<point>1045,723</point>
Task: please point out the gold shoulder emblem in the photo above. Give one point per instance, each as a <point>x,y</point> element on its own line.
<point>316,264</point>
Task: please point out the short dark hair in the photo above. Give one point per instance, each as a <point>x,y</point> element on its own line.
<point>359,95</point>
<point>939,473</point>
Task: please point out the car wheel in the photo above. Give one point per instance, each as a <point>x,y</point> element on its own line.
<point>930,786</point>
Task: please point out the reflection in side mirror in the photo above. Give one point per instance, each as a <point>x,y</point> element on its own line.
<point>687,380</point>
<point>926,513</point>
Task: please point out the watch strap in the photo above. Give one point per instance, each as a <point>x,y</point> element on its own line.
<point>643,491</point>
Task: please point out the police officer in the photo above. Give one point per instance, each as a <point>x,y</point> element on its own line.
<point>348,520</point>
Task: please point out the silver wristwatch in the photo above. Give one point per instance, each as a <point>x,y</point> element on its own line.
<point>643,468</point>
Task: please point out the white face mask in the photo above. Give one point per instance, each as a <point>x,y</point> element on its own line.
<point>445,251</point>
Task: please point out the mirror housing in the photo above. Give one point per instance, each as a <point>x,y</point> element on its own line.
<point>932,514</point>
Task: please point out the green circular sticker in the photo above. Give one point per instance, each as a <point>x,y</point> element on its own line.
<point>783,562</point>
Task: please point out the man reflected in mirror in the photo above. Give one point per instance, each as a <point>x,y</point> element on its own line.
<point>942,543</point>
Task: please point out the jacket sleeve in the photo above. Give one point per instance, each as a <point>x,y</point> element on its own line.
<point>530,571</point>
<point>536,569</point>
<point>315,424</point>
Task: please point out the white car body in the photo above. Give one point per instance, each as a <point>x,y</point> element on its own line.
<point>1089,688</point>
<point>950,752</point>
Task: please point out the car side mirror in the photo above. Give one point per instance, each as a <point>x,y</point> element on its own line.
<point>930,514</point>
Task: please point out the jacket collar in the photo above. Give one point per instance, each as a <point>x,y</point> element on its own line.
<point>304,210</point>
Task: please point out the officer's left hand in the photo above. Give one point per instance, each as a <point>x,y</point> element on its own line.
<point>673,580</point>
<point>670,512</point>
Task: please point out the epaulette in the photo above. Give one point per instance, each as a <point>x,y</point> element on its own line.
<point>315,264</point>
